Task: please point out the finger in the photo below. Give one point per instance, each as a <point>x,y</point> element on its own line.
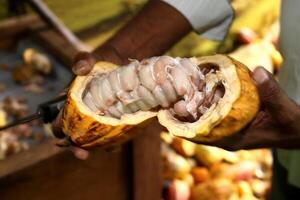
<point>81,154</point>
<point>273,98</point>
<point>56,126</point>
<point>83,63</point>
<point>64,142</point>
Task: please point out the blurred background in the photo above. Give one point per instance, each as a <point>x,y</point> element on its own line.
<point>34,67</point>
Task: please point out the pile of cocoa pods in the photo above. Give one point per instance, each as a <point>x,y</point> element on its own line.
<point>198,172</point>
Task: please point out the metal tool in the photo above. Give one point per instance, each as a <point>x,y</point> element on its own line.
<point>47,112</point>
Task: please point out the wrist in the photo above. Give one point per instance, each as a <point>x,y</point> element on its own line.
<point>108,53</point>
<point>150,33</point>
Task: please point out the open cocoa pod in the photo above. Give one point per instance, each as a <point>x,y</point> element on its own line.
<point>199,99</point>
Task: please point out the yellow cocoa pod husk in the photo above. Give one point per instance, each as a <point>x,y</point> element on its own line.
<point>233,112</point>
<point>229,115</point>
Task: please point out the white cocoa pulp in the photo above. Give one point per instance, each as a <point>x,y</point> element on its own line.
<point>177,84</point>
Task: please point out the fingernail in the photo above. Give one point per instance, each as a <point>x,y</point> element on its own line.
<point>260,75</point>
<point>80,67</point>
<point>80,153</point>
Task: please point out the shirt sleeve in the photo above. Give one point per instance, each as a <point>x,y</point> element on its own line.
<point>210,18</point>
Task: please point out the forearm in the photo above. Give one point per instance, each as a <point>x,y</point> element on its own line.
<point>155,29</point>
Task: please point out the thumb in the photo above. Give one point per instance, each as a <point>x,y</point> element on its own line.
<point>83,63</point>
<point>272,97</point>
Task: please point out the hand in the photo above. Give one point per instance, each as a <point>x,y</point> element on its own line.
<point>277,125</point>
<point>83,63</point>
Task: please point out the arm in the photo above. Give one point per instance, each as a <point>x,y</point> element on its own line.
<point>157,27</point>
<point>151,32</point>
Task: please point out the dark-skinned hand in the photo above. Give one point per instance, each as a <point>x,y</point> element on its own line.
<point>83,63</point>
<point>277,124</point>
